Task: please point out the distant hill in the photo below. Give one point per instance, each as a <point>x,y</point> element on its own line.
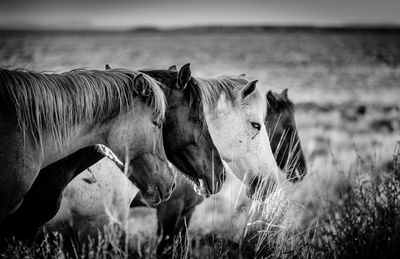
<point>269,28</point>
<point>348,28</point>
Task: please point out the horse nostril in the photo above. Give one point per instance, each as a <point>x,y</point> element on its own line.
<point>223,176</point>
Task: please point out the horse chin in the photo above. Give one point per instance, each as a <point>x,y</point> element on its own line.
<point>201,189</point>
<point>153,199</point>
<point>198,185</point>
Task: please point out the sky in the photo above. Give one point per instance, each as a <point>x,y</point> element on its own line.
<point>124,14</point>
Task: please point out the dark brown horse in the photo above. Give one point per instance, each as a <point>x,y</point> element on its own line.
<point>195,153</point>
<point>174,215</point>
<point>284,138</point>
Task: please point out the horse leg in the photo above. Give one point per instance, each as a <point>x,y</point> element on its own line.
<point>181,228</point>
<point>168,215</point>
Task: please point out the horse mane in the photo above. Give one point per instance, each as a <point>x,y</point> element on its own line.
<point>211,88</point>
<point>193,93</point>
<point>57,102</point>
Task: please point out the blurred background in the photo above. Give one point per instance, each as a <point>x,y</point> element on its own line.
<point>339,59</point>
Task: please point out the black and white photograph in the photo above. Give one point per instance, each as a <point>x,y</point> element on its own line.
<point>196,129</point>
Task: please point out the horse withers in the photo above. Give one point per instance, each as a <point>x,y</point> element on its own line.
<point>46,117</point>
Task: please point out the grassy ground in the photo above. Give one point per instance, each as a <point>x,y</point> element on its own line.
<point>348,114</point>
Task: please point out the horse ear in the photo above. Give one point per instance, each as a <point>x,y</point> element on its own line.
<point>249,89</point>
<point>271,98</point>
<point>173,68</point>
<point>108,67</point>
<point>141,84</point>
<point>184,76</point>
<point>242,75</point>
<point>284,94</point>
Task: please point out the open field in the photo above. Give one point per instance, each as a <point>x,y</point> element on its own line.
<point>346,87</point>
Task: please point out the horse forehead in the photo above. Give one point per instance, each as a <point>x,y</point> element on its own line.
<point>254,108</point>
<point>177,98</point>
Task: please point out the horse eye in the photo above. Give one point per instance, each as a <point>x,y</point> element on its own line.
<point>197,121</point>
<point>256,125</point>
<point>158,124</point>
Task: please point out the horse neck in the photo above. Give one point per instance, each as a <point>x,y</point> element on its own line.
<point>80,137</point>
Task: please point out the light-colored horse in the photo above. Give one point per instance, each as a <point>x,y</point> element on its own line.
<point>235,111</point>
<point>98,197</point>
<point>46,117</point>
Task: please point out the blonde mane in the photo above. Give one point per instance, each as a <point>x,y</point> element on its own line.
<point>212,88</point>
<point>57,102</point>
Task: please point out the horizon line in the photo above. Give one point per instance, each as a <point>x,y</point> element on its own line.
<point>210,27</point>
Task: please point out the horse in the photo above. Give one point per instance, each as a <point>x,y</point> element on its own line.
<point>235,110</point>
<point>46,117</point>
<point>195,154</point>
<point>173,215</point>
<point>284,137</point>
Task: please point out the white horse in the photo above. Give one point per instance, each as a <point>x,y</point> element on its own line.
<point>235,111</point>
<point>98,197</point>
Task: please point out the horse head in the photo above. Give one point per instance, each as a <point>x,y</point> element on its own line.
<point>188,143</point>
<point>235,115</point>
<point>143,152</point>
<point>284,137</point>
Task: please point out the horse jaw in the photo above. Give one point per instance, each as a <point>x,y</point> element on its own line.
<point>199,186</point>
